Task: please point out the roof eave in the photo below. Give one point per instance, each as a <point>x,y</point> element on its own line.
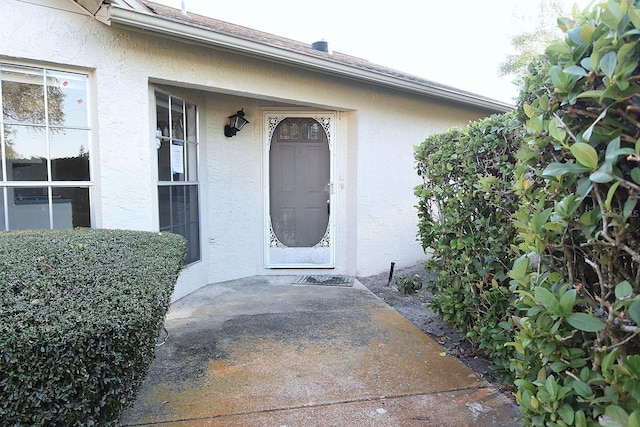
<point>149,22</point>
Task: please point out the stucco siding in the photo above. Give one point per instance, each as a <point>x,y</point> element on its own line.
<point>387,218</point>
<point>375,132</point>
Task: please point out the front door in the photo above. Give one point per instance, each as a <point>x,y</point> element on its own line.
<point>299,192</point>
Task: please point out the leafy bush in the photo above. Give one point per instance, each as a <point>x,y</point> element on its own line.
<point>80,311</point>
<point>465,208</point>
<point>408,284</point>
<point>578,280</point>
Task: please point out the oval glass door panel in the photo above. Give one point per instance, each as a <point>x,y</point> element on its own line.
<point>299,182</point>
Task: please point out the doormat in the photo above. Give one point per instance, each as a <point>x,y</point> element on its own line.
<point>324,280</point>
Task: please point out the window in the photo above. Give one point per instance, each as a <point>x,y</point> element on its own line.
<point>45,179</point>
<point>178,187</point>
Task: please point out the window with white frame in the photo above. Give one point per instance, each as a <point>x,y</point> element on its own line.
<point>45,140</point>
<point>178,186</point>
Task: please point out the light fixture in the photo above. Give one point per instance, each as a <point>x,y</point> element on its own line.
<point>236,123</point>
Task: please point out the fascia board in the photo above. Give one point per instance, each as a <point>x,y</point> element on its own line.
<point>144,21</point>
<point>92,6</point>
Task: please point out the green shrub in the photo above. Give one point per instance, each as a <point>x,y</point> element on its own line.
<point>408,284</point>
<point>80,311</point>
<point>465,208</point>
<point>578,281</point>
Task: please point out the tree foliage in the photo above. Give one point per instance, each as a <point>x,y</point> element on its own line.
<point>578,280</point>
<point>570,313</point>
<point>529,44</point>
<point>25,103</point>
<point>466,202</point>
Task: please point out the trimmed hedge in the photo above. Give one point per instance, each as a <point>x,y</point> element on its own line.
<point>465,208</point>
<point>80,311</point>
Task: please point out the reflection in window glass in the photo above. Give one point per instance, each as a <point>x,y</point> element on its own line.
<point>26,153</point>
<point>179,213</point>
<point>28,208</point>
<point>2,209</point>
<point>191,122</point>
<point>67,99</point>
<point>71,207</point>
<point>69,155</point>
<point>22,95</point>
<point>44,152</point>
<point>178,207</point>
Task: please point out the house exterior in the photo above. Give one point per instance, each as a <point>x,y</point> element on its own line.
<point>114,116</point>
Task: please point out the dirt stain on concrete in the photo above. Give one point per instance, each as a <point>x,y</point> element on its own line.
<point>363,358</point>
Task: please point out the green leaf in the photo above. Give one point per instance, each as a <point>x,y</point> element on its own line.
<point>587,133</point>
<point>614,151</point>
<point>610,194</point>
<point>582,388</point>
<point>623,290</point>
<point>634,14</point>
<point>528,110</point>
<point>559,169</point>
<point>558,78</point>
<point>548,300</point>
<point>519,270</point>
<point>558,366</point>
<point>585,322</point>
<point>551,385</point>
<point>539,219</point>
<point>584,188</point>
<point>576,70</point>
<point>628,208</point>
<point>581,419</point>
<point>634,419</point>
<point>617,414</point>
<point>534,124</point>
<point>634,311</point>
<point>585,154</point>
<point>625,50</point>
<point>601,176</point>
<point>556,130</point>
<point>567,300</point>
<point>635,175</point>
<point>591,94</point>
<point>608,63</point>
<point>566,413</point>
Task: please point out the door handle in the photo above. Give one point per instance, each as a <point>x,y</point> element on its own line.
<point>328,207</point>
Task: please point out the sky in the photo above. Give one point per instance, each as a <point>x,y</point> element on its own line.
<point>459,43</point>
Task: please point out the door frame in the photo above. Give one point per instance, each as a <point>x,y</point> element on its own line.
<point>275,253</point>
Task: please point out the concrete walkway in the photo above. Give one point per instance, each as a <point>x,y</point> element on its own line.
<point>263,351</point>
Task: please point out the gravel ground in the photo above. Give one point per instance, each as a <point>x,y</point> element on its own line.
<point>414,307</point>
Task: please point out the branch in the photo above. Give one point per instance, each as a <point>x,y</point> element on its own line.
<point>571,134</point>
<point>599,273</point>
<point>626,340</point>
<point>635,256</point>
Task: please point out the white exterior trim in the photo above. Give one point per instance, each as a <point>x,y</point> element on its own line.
<point>285,253</point>
<point>147,21</point>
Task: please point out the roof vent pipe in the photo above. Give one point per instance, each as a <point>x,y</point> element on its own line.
<point>184,8</point>
<point>322,46</point>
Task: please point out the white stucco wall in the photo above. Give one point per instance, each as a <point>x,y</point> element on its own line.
<point>376,130</point>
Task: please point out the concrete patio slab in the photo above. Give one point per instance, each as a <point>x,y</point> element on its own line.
<point>264,351</point>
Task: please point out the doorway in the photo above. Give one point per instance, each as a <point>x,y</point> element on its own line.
<point>299,191</point>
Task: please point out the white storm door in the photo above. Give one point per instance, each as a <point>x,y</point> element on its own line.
<point>298,192</point>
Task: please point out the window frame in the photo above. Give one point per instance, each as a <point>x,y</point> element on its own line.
<point>50,185</point>
<point>175,181</point>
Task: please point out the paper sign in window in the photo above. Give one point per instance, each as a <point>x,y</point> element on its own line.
<point>177,157</point>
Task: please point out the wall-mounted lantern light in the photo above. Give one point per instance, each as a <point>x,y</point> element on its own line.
<point>236,123</point>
